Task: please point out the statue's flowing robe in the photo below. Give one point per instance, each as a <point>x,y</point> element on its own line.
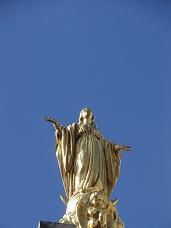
<point>86,160</point>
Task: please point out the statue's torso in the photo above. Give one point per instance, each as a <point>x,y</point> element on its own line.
<point>89,168</point>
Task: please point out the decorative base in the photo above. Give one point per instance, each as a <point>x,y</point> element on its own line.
<point>54,225</point>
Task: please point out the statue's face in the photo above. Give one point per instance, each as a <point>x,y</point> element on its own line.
<point>86,115</point>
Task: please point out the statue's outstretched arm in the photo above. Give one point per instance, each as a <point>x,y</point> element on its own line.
<point>55,123</point>
<point>115,146</point>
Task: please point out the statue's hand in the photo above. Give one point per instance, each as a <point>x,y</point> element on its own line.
<point>125,148</point>
<point>54,122</point>
<point>50,119</point>
<point>122,148</point>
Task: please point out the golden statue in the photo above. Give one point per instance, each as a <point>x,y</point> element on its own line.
<point>89,166</point>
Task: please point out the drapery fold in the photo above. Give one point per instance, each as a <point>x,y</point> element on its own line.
<point>86,159</point>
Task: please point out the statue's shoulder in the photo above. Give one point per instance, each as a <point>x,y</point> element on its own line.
<point>73,126</point>
<point>97,130</point>
<point>98,133</point>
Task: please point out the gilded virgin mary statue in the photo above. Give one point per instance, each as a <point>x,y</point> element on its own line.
<point>90,166</point>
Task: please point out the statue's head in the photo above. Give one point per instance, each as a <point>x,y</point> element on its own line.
<point>86,116</point>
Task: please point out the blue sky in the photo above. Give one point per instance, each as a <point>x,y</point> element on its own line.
<point>57,57</point>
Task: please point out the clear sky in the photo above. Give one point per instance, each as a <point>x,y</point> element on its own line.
<point>58,56</point>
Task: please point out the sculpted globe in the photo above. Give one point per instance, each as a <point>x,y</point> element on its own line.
<point>89,166</point>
